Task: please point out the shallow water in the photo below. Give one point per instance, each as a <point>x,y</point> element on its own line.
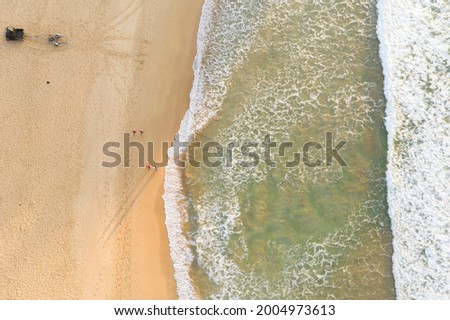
<point>294,70</point>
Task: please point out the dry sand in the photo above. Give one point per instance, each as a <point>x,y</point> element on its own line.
<point>72,229</point>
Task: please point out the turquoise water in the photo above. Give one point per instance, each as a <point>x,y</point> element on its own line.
<point>294,70</point>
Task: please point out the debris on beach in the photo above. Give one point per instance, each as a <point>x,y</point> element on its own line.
<point>16,34</point>
<point>13,34</point>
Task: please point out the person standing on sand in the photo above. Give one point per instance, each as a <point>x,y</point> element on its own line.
<point>141,131</point>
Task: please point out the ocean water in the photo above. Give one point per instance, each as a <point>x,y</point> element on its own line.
<point>295,70</point>
<point>415,50</point>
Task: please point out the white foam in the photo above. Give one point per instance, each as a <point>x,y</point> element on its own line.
<point>174,200</point>
<point>218,52</point>
<point>414,50</point>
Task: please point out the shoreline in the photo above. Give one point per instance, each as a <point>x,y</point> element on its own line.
<point>76,230</point>
<point>176,29</point>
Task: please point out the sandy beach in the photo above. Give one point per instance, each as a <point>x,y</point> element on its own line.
<point>72,229</point>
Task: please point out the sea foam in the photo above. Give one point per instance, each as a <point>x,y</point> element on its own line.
<point>414,50</point>
<point>219,50</point>
<point>174,199</point>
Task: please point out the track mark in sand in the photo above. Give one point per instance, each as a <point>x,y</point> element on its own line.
<point>126,207</point>
<point>124,14</point>
<point>107,48</point>
<point>123,204</point>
